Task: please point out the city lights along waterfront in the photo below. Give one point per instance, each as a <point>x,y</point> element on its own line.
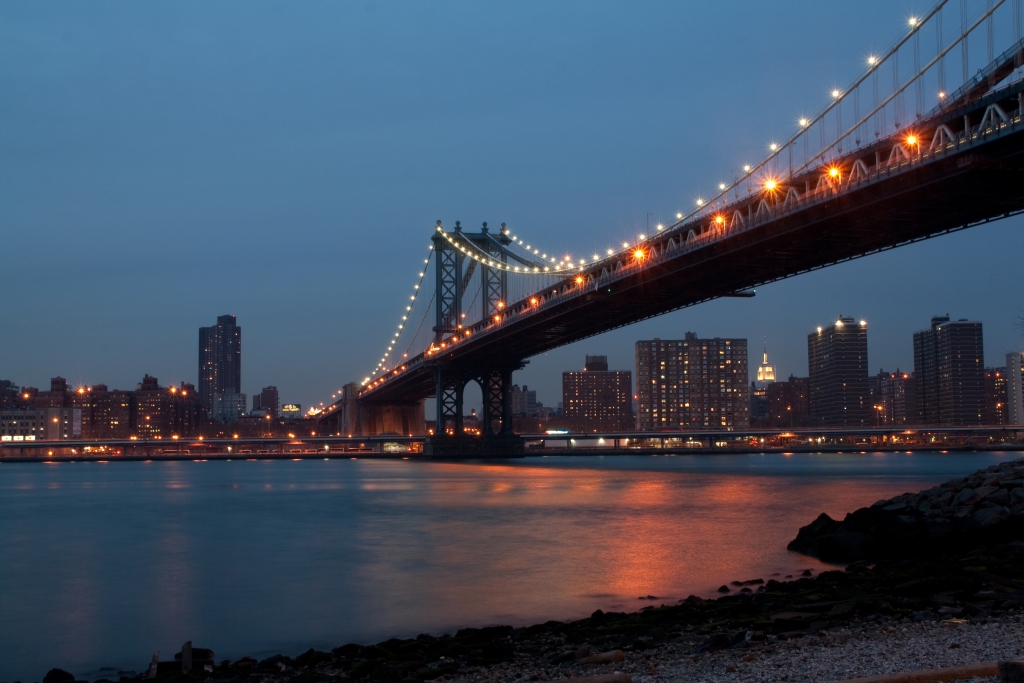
<point>106,563</point>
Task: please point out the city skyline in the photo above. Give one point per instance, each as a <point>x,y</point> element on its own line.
<point>199,179</point>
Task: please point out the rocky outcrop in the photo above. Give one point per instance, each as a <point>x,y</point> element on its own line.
<point>987,506</point>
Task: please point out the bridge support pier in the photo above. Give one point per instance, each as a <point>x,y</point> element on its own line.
<point>497,439</point>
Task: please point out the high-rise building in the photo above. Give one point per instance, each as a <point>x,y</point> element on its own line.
<point>949,373</point>
<point>164,412</point>
<point>57,397</point>
<point>267,400</point>
<point>692,383</point>
<point>788,405</point>
<point>220,361</point>
<point>228,407</point>
<point>996,399</point>
<point>1015,388</point>
<point>891,398</point>
<point>598,399</point>
<point>837,363</point>
<point>524,401</point>
<point>765,371</point>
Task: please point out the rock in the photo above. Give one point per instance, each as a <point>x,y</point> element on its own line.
<point>724,589</point>
<point>58,676</point>
<point>604,658</point>
<point>1011,671</point>
<point>603,678</point>
<point>991,516</point>
<point>963,496</point>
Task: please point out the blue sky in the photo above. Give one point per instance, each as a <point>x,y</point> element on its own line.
<point>165,163</point>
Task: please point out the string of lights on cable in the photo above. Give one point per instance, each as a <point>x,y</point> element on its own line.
<point>417,288</point>
<point>581,262</point>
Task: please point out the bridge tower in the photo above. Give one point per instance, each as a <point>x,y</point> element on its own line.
<point>454,274</point>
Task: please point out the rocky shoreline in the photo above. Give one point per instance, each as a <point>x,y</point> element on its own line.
<point>913,599</point>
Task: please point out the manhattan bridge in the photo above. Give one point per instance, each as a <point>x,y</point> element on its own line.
<point>926,140</point>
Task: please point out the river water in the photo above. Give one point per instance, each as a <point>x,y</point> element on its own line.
<point>101,564</point>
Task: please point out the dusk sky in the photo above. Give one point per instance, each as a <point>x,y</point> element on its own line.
<point>163,164</point>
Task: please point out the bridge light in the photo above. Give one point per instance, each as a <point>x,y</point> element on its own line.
<point>746,168</point>
<point>497,319</point>
<point>913,21</point>
<point>660,226</point>
<point>942,95</point>
<point>836,93</point>
<point>610,252</point>
<point>803,122</point>
<point>700,202</point>
<point>771,185</point>
<point>639,254</point>
<point>579,279</point>
<point>533,301</point>
<point>501,304</point>
<point>773,147</point>
<point>834,172</point>
<point>911,139</point>
<point>679,216</point>
<point>625,245</point>
<point>872,60</point>
<point>720,220</point>
<point>722,186</point>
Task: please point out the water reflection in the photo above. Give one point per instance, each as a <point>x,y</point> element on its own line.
<point>104,565</point>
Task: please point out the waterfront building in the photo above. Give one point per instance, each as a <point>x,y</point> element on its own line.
<point>106,414</point>
<point>57,397</point>
<point>164,412</point>
<point>267,401</point>
<point>220,361</point>
<point>598,399</point>
<point>1015,387</point>
<point>758,403</point>
<point>692,383</point>
<point>61,423</point>
<point>949,371</point>
<point>837,361</point>
<point>524,401</point>
<point>788,404</point>
<point>996,399</point>
<point>228,407</point>
<point>897,398</point>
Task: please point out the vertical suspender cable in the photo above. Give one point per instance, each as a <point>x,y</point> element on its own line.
<point>1016,32</point>
<point>963,31</point>
<point>990,25</point>
<point>919,85</point>
<point>938,48</point>
<point>898,113</point>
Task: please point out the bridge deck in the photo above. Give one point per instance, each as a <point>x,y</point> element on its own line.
<point>888,194</point>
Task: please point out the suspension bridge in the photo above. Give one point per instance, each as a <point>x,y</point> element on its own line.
<point>912,149</point>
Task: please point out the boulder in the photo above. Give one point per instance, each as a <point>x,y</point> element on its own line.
<point>58,676</point>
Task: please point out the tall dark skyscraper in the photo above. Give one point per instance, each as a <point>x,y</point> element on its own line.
<point>220,361</point>
<point>949,370</point>
<point>837,362</point>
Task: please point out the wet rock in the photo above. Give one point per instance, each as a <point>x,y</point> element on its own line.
<point>58,676</point>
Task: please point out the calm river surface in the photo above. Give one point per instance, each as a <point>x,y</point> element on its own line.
<point>101,564</point>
